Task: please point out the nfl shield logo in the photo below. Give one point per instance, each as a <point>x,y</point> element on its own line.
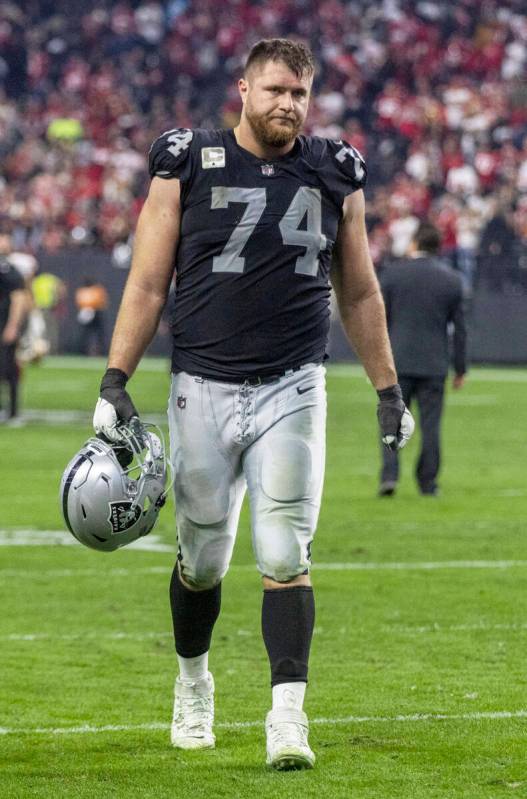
<point>268,170</point>
<point>181,402</point>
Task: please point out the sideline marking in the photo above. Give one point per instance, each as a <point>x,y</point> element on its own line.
<point>492,715</point>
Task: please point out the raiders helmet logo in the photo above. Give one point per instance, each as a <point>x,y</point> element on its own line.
<point>181,402</point>
<point>122,515</point>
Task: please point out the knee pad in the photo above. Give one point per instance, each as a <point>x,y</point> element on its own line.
<point>280,554</point>
<point>201,582</point>
<point>203,565</point>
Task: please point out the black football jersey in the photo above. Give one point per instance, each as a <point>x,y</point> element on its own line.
<point>10,280</point>
<point>253,261</point>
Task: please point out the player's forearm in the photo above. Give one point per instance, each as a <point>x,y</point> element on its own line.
<point>364,322</point>
<point>135,328</point>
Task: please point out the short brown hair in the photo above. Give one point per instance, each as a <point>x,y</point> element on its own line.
<point>295,55</point>
<point>427,238</point>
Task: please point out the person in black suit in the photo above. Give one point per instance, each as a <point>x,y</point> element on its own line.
<point>423,296</point>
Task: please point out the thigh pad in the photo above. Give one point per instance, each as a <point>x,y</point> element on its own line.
<point>286,470</point>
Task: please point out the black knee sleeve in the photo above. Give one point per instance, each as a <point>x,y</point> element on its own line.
<point>288,618</point>
<point>194,614</point>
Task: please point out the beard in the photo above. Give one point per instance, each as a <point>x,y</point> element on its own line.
<point>272,132</point>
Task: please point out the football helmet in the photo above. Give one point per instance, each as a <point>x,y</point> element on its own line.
<point>111,493</point>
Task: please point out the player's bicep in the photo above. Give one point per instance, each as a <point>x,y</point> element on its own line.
<point>163,206</point>
<point>157,237</point>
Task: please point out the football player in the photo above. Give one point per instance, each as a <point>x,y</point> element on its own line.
<point>255,221</point>
<point>15,304</point>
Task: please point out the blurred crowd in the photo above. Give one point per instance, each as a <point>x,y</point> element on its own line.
<point>432,93</point>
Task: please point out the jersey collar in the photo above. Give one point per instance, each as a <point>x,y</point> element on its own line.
<point>280,159</point>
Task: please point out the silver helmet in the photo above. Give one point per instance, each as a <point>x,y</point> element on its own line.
<point>111,494</point>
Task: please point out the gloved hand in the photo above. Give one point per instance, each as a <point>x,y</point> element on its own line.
<point>114,406</point>
<point>395,420</point>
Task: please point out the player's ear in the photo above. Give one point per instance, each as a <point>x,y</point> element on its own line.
<point>243,88</point>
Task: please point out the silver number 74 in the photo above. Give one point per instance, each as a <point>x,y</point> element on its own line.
<point>305,204</point>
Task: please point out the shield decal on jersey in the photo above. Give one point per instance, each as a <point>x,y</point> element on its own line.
<point>123,515</point>
<point>268,170</point>
<point>181,402</point>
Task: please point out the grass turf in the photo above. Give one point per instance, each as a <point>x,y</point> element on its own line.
<point>392,644</point>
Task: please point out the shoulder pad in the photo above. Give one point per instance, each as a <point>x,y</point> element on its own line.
<point>348,161</point>
<point>169,154</point>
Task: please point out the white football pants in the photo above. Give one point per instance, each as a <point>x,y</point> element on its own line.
<point>225,438</point>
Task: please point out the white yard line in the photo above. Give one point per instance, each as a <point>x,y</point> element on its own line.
<point>395,629</point>
<point>60,417</point>
<point>317,567</point>
<point>492,715</point>
<point>422,565</point>
<point>84,636</point>
<point>408,629</point>
<point>103,573</point>
<point>17,537</point>
<point>154,543</point>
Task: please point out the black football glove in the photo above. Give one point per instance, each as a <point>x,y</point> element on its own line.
<point>395,420</point>
<point>114,406</point>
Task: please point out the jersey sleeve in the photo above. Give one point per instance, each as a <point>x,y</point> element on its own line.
<point>345,167</point>
<point>170,155</point>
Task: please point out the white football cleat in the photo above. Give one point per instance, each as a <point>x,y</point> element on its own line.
<point>287,746</point>
<point>193,714</point>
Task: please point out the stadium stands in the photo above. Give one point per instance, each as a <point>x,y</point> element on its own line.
<point>433,93</point>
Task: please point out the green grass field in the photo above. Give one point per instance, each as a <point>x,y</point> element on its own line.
<point>418,670</point>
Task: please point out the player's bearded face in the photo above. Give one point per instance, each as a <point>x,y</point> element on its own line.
<point>272,129</point>
<point>276,105</point>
